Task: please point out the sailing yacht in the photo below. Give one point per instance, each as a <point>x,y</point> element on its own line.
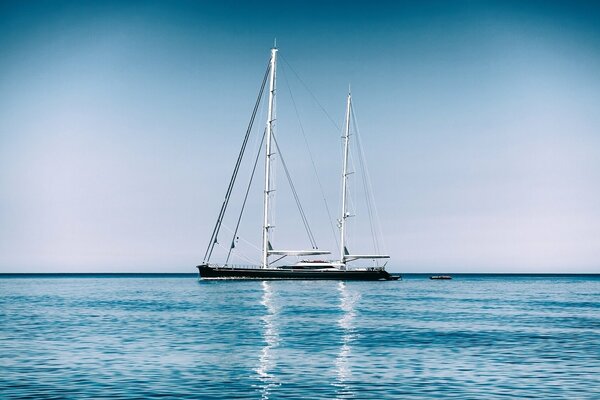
<point>305,269</point>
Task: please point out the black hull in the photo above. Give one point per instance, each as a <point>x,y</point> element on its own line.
<point>208,272</point>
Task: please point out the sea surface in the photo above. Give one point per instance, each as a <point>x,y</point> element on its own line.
<point>172,336</point>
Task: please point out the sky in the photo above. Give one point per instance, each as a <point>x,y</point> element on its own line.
<point>120,122</point>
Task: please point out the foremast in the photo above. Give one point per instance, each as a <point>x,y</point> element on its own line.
<point>269,154</point>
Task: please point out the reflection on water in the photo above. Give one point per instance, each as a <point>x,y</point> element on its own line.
<point>348,300</point>
<point>475,337</point>
<point>267,360</point>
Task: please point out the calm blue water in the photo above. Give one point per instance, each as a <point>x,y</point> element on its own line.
<point>474,337</point>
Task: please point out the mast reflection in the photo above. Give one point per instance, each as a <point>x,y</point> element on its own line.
<point>348,301</point>
<point>267,360</point>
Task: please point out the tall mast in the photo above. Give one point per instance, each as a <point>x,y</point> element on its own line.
<point>345,174</point>
<point>270,121</point>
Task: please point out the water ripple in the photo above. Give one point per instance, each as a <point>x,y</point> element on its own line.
<point>137,337</point>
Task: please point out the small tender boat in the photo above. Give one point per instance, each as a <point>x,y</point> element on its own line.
<point>440,277</point>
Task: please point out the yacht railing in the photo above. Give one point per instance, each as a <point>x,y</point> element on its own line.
<point>234,266</point>
<point>250,266</point>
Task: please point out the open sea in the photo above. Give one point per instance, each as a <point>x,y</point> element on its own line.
<point>171,336</point>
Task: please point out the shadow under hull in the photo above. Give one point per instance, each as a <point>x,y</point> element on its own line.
<point>208,272</point>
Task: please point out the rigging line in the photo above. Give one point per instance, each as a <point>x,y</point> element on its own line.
<point>296,198</point>
<point>242,239</point>
<point>298,204</point>
<point>215,233</point>
<point>352,190</point>
<point>364,176</point>
<point>367,188</point>
<point>351,194</point>
<point>311,93</point>
<point>241,256</point>
<point>237,225</point>
<point>312,160</point>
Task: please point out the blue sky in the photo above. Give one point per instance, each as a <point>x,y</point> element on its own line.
<point>120,123</point>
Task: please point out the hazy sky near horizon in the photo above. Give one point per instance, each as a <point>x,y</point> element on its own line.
<point>120,122</point>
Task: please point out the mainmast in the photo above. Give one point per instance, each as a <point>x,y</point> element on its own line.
<point>345,174</point>
<point>269,154</point>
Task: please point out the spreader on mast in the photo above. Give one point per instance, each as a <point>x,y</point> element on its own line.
<point>270,121</point>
